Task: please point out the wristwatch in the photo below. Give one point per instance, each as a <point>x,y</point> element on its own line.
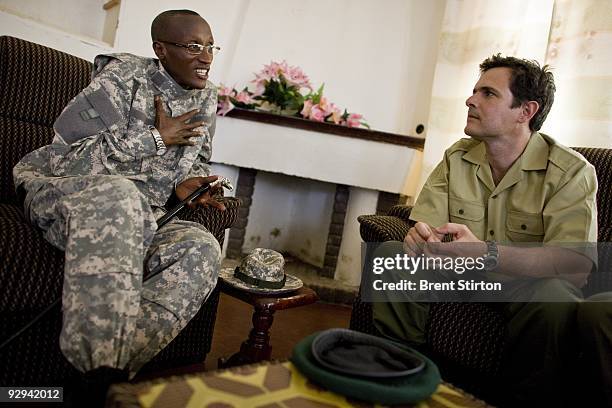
<point>491,257</point>
<point>159,142</point>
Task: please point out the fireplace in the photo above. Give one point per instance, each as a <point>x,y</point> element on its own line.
<point>303,184</point>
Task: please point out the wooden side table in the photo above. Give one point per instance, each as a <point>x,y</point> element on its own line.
<point>257,346</point>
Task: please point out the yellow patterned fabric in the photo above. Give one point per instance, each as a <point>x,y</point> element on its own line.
<point>269,385</point>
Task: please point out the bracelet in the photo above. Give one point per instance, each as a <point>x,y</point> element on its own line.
<point>159,142</point>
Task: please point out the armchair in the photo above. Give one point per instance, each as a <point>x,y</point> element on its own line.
<point>36,83</point>
<point>467,339</point>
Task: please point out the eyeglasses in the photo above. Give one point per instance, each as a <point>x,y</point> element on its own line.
<point>196,49</point>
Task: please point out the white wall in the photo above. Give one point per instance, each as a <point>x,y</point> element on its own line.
<point>39,33</point>
<point>84,17</point>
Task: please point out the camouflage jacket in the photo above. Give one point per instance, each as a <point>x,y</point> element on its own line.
<point>104,130</point>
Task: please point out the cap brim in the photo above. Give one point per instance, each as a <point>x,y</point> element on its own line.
<point>292,283</point>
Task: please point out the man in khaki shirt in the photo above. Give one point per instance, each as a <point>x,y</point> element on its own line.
<point>510,184</point>
<point>547,194</point>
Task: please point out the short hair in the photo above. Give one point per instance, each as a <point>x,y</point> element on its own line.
<point>528,82</point>
<point>160,23</point>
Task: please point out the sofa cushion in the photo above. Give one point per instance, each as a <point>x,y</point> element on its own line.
<point>37,82</point>
<point>23,248</point>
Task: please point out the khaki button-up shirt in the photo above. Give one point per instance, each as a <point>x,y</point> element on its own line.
<point>547,195</point>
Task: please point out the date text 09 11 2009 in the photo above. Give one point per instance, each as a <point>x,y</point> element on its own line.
<point>31,394</point>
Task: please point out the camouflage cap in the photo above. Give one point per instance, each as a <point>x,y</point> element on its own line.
<point>261,271</point>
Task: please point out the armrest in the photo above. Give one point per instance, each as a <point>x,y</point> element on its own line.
<point>403,212</point>
<point>391,227</point>
<point>380,228</point>
<point>214,220</point>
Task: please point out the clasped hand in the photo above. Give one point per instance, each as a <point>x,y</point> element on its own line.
<point>424,239</point>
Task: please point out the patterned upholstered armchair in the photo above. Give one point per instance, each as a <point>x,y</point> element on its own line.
<point>36,83</point>
<point>467,339</point>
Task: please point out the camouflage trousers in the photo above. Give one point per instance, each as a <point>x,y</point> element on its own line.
<point>110,238</point>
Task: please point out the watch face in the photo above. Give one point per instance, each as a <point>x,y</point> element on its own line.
<point>490,262</point>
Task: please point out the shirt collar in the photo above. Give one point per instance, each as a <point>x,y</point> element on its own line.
<point>166,84</point>
<point>534,157</point>
<point>477,154</point>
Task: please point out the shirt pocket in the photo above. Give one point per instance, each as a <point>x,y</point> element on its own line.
<point>469,213</point>
<point>465,210</point>
<point>524,227</point>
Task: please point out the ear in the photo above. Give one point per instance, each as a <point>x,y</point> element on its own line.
<point>160,50</point>
<point>528,110</point>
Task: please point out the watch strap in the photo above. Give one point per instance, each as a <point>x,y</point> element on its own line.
<point>159,141</point>
<point>492,249</point>
<point>492,255</point>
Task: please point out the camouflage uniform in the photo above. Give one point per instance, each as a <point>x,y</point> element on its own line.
<point>96,192</point>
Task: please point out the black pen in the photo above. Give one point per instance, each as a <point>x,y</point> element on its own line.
<point>163,220</point>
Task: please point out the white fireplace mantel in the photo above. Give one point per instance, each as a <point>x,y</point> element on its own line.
<point>351,161</point>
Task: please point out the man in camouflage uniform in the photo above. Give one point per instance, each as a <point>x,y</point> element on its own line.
<point>141,130</point>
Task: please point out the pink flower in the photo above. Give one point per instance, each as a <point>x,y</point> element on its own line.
<point>317,114</point>
<point>262,78</point>
<point>265,74</point>
<point>322,111</point>
<point>226,91</point>
<point>280,68</point>
<point>260,87</point>
<point>244,97</point>
<point>295,76</point>
<point>272,71</point>
<point>354,120</point>
<point>324,105</point>
<point>331,109</point>
<point>336,116</point>
<point>307,107</point>
<point>223,106</point>
<point>290,81</point>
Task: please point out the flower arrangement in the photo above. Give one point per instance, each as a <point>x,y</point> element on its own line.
<point>286,90</point>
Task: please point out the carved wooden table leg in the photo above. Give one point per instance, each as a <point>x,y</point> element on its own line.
<point>257,347</point>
